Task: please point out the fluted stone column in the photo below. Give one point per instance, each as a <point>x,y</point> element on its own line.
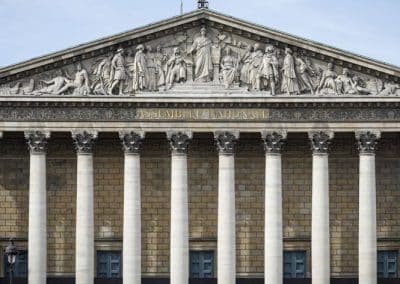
<point>179,255</point>
<point>320,240</point>
<point>273,237</point>
<point>226,208</point>
<point>37,235</point>
<point>132,251</point>
<point>84,256</point>
<point>367,247</point>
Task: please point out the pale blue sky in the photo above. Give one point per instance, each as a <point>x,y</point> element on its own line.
<point>31,28</point>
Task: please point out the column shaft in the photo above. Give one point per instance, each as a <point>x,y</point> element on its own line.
<point>273,242</point>
<point>320,241</point>
<point>37,236</point>
<point>179,220</point>
<point>132,220</point>
<point>84,261</point>
<point>226,220</point>
<point>367,247</point>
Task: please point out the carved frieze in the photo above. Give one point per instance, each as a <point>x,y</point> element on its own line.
<point>226,142</point>
<point>179,141</point>
<point>37,141</point>
<point>265,114</point>
<point>201,59</point>
<point>131,141</point>
<point>273,141</point>
<point>84,141</point>
<point>367,141</point>
<point>320,141</point>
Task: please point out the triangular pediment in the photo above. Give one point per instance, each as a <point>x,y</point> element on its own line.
<point>173,56</point>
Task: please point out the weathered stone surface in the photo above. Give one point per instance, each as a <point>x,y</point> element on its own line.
<point>203,56</point>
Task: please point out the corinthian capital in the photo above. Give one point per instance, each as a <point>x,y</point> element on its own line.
<point>367,141</point>
<point>320,141</point>
<point>273,141</point>
<point>84,141</point>
<point>131,141</point>
<point>37,141</point>
<point>226,142</point>
<point>179,141</point>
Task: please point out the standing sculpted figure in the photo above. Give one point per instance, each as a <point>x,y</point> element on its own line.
<point>102,81</point>
<point>228,69</point>
<point>118,73</point>
<point>151,70</point>
<point>268,73</point>
<point>160,61</point>
<point>246,61</point>
<point>328,80</point>
<point>305,72</point>
<point>176,68</point>
<point>256,60</point>
<point>80,84</point>
<point>290,84</point>
<point>140,72</point>
<point>203,61</point>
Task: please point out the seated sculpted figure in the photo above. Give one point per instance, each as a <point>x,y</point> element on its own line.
<point>176,68</point>
<point>345,84</point>
<point>391,88</point>
<point>80,84</point>
<point>328,82</point>
<point>268,74</point>
<point>228,69</point>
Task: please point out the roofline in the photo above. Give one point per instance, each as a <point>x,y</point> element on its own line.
<point>199,14</point>
<point>98,43</point>
<point>320,47</point>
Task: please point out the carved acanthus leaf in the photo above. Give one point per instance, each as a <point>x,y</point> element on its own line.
<point>320,141</point>
<point>84,141</point>
<point>367,141</point>
<point>226,142</point>
<point>273,141</point>
<point>37,141</point>
<point>179,141</point>
<point>131,141</point>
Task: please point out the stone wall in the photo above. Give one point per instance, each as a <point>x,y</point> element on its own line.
<point>203,175</point>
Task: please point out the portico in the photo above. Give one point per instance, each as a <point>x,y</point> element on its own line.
<point>201,147</point>
<point>275,174</point>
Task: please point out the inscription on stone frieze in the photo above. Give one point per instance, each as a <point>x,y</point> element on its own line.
<point>202,114</point>
<point>124,114</point>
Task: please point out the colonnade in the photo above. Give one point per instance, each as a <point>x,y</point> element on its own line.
<point>179,231</point>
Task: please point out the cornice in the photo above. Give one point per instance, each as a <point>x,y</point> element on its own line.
<point>202,102</point>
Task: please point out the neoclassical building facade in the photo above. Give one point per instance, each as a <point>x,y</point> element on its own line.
<point>201,148</point>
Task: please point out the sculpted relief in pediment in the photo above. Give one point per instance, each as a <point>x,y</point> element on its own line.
<point>206,60</point>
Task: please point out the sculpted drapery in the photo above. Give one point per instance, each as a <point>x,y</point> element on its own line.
<point>203,62</point>
<point>184,57</point>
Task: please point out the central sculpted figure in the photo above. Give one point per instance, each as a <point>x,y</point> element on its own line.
<point>203,62</point>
